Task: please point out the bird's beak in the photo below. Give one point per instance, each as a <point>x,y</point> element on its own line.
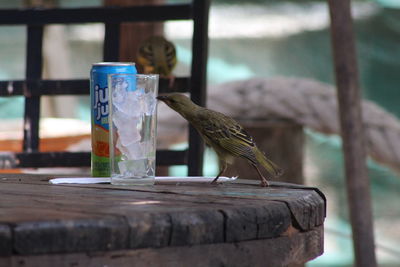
<point>162,98</point>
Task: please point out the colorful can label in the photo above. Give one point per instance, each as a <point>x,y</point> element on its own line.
<point>100,159</point>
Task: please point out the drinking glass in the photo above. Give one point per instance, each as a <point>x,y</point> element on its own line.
<point>132,119</point>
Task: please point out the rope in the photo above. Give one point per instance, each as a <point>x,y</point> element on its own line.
<point>307,102</point>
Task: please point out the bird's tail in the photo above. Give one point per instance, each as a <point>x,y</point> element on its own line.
<point>271,167</point>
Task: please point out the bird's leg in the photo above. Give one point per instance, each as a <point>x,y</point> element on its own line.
<point>264,182</point>
<point>171,79</point>
<point>224,166</point>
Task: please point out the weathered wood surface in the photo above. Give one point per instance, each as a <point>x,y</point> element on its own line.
<point>5,240</point>
<point>39,218</point>
<point>281,251</point>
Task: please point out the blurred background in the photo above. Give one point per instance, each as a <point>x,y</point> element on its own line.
<point>253,38</point>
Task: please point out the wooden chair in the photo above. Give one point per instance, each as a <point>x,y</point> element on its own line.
<point>33,86</point>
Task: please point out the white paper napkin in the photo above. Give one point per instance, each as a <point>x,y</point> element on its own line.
<point>158,180</point>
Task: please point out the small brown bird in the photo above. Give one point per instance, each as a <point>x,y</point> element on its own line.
<point>226,136</point>
<point>158,55</point>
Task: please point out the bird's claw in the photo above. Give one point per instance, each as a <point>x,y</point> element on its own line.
<point>264,183</point>
<point>215,181</point>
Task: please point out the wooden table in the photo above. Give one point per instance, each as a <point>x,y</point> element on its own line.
<point>237,224</point>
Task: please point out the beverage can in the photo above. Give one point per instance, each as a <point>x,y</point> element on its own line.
<point>100,156</point>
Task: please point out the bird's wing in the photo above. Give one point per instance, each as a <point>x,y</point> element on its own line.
<point>227,134</point>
